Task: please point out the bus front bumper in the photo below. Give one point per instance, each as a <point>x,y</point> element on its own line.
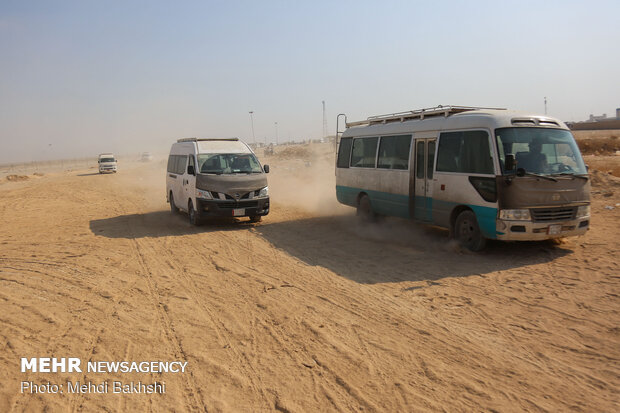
<point>538,231</point>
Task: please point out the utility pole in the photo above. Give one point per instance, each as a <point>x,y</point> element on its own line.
<point>545,105</point>
<point>324,122</point>
<point>252,123</point>
<point>276,133</point>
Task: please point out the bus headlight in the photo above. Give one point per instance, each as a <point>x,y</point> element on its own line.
<point>515,214</point>
<point>203,194</point>
<point>263,192</point>
<point>583,211</point>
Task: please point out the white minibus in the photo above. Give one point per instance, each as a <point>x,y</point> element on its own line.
<point>481,173</point>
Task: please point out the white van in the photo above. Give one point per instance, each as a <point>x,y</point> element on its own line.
<point>216,178</point>
<point>107,163</point>
<point>482,173</point>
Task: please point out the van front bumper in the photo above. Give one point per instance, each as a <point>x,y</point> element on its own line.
<point>230,208</point>
<point>538,231</point>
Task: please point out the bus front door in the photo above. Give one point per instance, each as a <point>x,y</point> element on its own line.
<point>423,192</point>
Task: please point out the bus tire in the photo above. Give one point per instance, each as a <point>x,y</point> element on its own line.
<point>173,208</point>
<point>194,218</point>
<point>467,232</point>
<point>364,210</point>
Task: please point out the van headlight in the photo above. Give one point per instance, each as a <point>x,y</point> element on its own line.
<point>515,214</point>
<point>583,211</point>
<point>203,194</point>
<point>263,192</point>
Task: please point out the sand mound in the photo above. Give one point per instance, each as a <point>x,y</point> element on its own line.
<point>16,178</point>
<point>295,152</point>
<point>603,179</point>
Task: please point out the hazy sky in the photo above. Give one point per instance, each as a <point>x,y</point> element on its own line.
<point>82,77</point>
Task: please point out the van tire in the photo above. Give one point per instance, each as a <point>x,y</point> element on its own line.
<point>467,232</point>
<point>256,218</point>
<point>364,210</point>
<point>194,218</point>
<point>173,208</point>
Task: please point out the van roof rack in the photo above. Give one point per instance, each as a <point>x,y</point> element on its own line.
<point>206,139</point>
<point>417,114</point>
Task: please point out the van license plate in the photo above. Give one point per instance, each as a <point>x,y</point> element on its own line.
<point>238,212</point>
<point>554,229</point>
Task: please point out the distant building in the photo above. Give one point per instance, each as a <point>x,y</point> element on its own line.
<point>594,118</point>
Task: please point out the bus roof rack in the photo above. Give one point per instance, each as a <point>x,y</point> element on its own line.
<point>417,114</point>
<point>206,139</point>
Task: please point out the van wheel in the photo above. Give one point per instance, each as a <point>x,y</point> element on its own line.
<point>173,208</point>
<point>467,232</point>
<point>256,218</point>
<point>364,210</point>
<point>193,215</point>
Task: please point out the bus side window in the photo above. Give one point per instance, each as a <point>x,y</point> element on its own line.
<point>344,153</point>
<point>364,152</point>
<point>430,160</point>
<point>419,160</point>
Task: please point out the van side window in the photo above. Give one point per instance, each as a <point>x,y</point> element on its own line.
<point>465,152</point>
<point>344,152</point>
<point>190,161</point>
<point>180,164</point>
<point>364,153</point>
<point>394,152</point>
<point>171,163</point>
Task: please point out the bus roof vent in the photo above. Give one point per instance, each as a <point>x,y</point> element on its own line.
<point>206,139</point>
<point>534,122</point>
<point>523,121</point>
<point>418,114</point>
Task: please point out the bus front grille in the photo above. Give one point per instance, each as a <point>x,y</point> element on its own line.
<point>553,214</point>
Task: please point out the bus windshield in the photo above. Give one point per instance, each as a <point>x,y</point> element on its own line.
<point>540,150</point>
<point>229,163</point>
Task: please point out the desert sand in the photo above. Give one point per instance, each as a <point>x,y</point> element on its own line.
<point>306,311</point>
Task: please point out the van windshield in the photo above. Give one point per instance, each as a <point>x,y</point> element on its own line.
<point>540,150</point>
<point>107,160</point>
<point>228,163</point>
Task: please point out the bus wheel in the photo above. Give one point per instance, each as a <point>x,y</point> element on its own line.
<point>364,210</point>
<point>193,215</point>
<point>467,232</point>
<point>173,207</point>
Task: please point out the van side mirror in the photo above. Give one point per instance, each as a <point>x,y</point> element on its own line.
<point>190,170</point>
<point>266,168</point>
<point>510,162</point>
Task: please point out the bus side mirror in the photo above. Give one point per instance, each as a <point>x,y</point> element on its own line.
<point>190,170</point>
<point>266,169</point>
<point>510,162</point>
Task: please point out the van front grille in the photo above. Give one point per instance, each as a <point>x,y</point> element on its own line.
<point>553,214</point>
<point>240,204</point>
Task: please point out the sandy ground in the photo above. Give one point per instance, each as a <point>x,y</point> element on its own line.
<point>306,311</point>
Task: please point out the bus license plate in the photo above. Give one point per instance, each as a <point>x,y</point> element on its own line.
<point>238,212</point>
<point>554,229</point>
